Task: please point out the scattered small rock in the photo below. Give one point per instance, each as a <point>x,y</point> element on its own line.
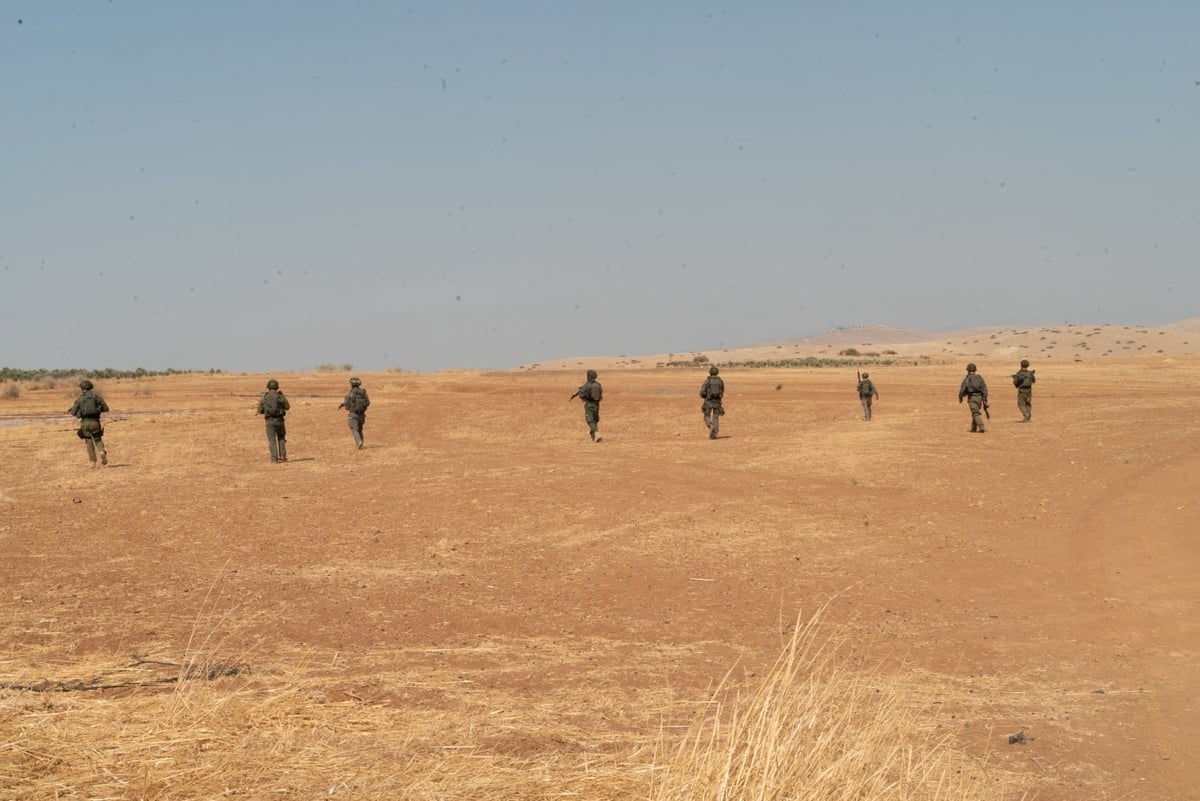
<point>1019,737</point>
<point>77,499</point>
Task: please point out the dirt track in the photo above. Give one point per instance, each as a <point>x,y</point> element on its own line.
<point>482,553</point>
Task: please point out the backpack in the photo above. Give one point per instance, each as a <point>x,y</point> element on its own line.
<point>270,404</point>
<point>713,389</point>
<point>864,387</point>
<point>1023,380</point>
<point>89,406</point>
<point>357,401</point>
<point>975,383</point>
<point>590,392</point>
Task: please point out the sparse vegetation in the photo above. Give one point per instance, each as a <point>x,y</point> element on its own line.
<point>814,725</point>
<point>809,361</point>
<point>813,728</point>
<point>73,374</point>
<point>12,390</point>
<point>849,352</point>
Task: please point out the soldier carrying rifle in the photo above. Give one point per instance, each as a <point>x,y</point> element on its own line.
<point>974,389</point>
<point>1023,380</point>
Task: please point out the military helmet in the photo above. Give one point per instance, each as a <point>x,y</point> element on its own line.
<point>354,382</point>
<point>713,371</point>
<point>971,367</point>
<point>591,374</point>
<point>85,384</point>
<point>272,384</point>
<point>1024,362</point>
<point>866,376</point>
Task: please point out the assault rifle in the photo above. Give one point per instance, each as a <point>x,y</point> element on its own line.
<point>573,397</point>
<point>985,410</point>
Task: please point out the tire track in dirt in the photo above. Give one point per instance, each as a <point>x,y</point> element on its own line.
<point>1138,552</point>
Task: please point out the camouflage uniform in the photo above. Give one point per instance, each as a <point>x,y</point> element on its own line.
<point>712,390</point>
<point>88,408</point>
<point>866,392</point>
<point>276,430</point>
<point>591,393</point>
<point>355,404</point>
<point>1023,380</point>
<point>975,390</point>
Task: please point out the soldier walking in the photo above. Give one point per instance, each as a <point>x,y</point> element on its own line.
<point>355,404</point>
<point>866,392</point>
<point>1023,380</point>
<point>591,393</point>
<point>273,407</point>
<point>975,390</point>
<point>88,408</point>
<point>712,390</point>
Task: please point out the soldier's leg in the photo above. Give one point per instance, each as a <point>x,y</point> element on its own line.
<point>974,406</point>
<point>272,442</point>
<point>102,449</point>
<point>91,449</point>
<point>716,423</point>
<point>356,429</point>
<point>866,404</point>
<point>282,441</point>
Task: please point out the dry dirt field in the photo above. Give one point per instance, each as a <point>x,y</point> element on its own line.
<point>484,586</point>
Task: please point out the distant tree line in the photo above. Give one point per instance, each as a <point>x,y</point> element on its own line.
<point>849,358</point>
<point>806,361</point>
<point>17,374</point>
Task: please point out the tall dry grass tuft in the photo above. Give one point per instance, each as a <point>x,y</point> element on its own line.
<point>814,730</point>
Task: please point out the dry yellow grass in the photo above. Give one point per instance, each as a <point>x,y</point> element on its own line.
<point>811,729</point>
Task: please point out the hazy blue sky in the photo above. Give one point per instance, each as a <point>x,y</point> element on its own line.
<point>272,185</point>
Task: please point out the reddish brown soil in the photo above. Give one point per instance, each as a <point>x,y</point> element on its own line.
<point>1039,578</point>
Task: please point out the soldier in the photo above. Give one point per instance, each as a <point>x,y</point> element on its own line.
<point>1023,380</point>
<point>974,389</point>
<point>866,391</point>
<point>273,407</point>
<point>712,390</point>
<point>591,393</point>
<point>88,407</point>
<point>356,404</point>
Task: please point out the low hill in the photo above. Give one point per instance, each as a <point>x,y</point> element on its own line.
<point>1075,342</point>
